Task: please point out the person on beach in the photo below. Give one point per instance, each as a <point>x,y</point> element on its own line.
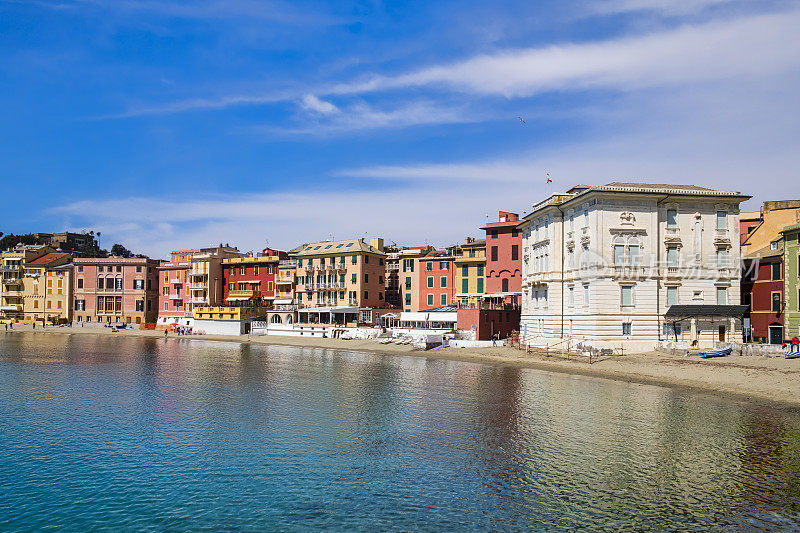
<point>494,339</point>
<point>795,345</point>
<point>165,334</point>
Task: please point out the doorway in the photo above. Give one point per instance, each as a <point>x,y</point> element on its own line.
<point>722,334</point>
<point>776,334</point>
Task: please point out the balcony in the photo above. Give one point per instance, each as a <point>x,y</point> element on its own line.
<point>12,281</point>
<point>10,308</point>
<point>245,294</point>
<point>283,281</point>
<point>287,263</point>
<point>285,307</point>
<point>176,297</point>
<point>12,294</point>
<point>11,268</point>
<point>197,286</point>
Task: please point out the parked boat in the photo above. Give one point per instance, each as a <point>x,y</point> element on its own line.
<point>718,352</point>
<point>792,355</point>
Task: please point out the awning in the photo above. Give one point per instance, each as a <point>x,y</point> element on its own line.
<point>422,316</point>
<point>237,298</point>
<point>691,311</point>
<point>329,310</point>
<point>501,294</point>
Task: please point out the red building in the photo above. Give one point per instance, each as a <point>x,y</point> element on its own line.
<point>250,280</point>
<point>436,273</point>
<point>174,296</point>
<point>504,258</point>
<point>762,290</point>
<point>488,322</point>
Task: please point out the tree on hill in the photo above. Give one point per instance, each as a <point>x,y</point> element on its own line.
<point>121,251</point>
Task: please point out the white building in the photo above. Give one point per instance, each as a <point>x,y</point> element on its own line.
<point>602,265</point>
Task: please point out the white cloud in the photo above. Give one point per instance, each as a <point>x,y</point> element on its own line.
<point>666,7</point>
<point>748,46</point>
<point>312,103</point>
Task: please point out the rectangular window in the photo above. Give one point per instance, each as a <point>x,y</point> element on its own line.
<point>722,257</point>
<point>633,255</point>
<point>430,282</point>
<point>443,282</point>
<point>118,284</point>
<point>444,265</point>
<point>571,296</point>
<point>494,253</point>
<point>627,328</point>
<point>166,306</point>
<point>776,302</point>
<point>626,296</point>
<point>572,258</point>
<point>776,271</point>
<point>366,295</point>
<point>443,299</point>
<point>672,295</point>
<point>80,268</point>
<point>366,277</point>
<point>465,285</point>
<point>408,299</point>
<point>585,295</point>
<point>493,233</point>
<point>140,305</point>
<point>514,252</point>
<point>366,259</point>
<point>430,299</point>
<point>722,296</point>
<point>429,265</point>
<point>408,283</point>
<point>80,305</point>
<point>480,286</point>
<point>672,256</point>
<point>354,278</point>
<point>722,220</point>
<point>672,218</point>
<point>480,270</point>
<point>465,271</point>
<point>80,283</point>
<point>138,284</point>
<point>354,259</point>
<point>619,254</point>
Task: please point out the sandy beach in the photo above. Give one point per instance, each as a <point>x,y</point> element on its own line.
<point>744,378</point>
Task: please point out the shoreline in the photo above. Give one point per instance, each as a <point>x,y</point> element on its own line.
<point>748,379</point>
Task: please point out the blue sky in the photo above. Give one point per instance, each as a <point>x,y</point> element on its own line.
<point>167,124</point>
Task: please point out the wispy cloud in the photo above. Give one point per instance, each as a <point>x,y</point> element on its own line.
<point>314,104</point>
<point>272,10</point>
<point>666,7</point>
<point>743,47</point>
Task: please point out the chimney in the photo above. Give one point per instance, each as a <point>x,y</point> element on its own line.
<point>376,243</point>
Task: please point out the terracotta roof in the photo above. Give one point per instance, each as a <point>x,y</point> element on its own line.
<point>46,259</point>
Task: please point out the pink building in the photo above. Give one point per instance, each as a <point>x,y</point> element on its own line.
<point>504,258</point>
<point>115,290</point>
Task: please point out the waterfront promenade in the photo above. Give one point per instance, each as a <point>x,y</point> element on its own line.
<point>745,378</point>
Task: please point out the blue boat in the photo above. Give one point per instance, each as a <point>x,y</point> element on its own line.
<point>792,355</point>
<point>718,352</point>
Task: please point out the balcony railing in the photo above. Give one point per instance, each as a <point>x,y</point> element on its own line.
<point>9,268</point>
<point>286,280</point>
<point>175,280</point>
<point>12,294</point>
<point>10,308</point>
<point>12,281</point>
<point>245,294</point>
<point>197,286</point>
<point>176,297</point>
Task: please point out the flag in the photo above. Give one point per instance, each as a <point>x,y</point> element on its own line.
<point>548,178</point>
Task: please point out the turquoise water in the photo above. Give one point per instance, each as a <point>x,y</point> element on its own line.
<point>148,434</point>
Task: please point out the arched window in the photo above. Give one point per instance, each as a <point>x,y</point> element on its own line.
<point>276,319</point>
<point>288,319</point>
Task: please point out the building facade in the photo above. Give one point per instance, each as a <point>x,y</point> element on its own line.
<point>762,290</point>
<point>341,273</point>
<point>250,280</point>
<point>115,290</point>
<point>470,263</point>
<point>17,282</point>
<point>436,279</point>
<point>602,265</point>
<point>48,289</point>
<point>504,258</point>
<point>774,216</point>
<point>791,261</point>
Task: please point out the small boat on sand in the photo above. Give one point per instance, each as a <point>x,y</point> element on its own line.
<point>792,355</point>
<point>719,352</point>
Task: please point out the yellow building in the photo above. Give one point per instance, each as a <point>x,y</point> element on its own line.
<point>775,216</point>
<point>48,289</point>
<point>471,271</point>
<point>15,285</point>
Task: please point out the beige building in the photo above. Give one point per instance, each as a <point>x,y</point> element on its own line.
<point>774,217</point>
<point>48,288</point>
<point>205,277</point>
<point>339,278</point>
<point>603,265</point>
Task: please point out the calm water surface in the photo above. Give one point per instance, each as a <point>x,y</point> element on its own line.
<point>134,434</point>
